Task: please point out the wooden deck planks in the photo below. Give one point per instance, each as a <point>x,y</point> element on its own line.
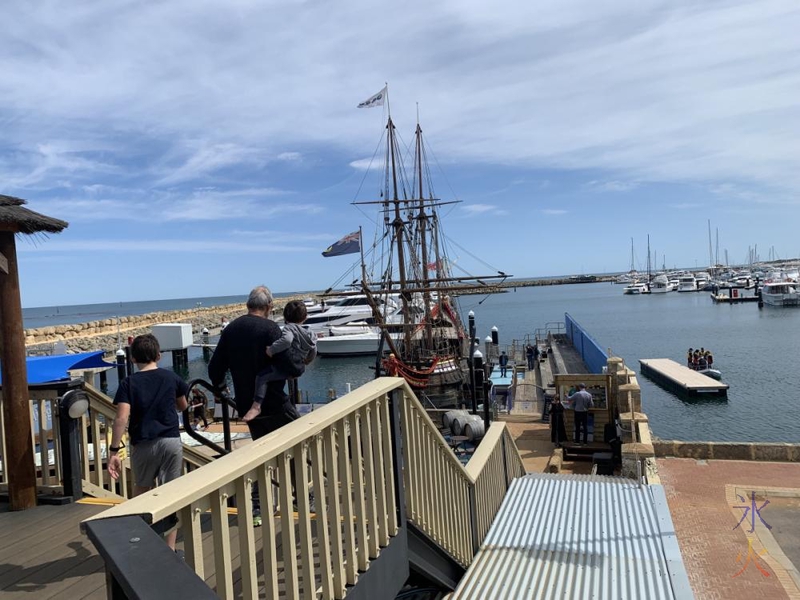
<point>681,377</point>
<point>44,553</point>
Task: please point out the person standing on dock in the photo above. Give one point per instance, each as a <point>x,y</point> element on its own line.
<point>558,429</point>
<point>503,362</point>
<point>242,350</point>
<point>529,355</point>
<point>581,402</point>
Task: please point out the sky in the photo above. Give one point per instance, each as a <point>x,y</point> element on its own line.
<point>201,147</point>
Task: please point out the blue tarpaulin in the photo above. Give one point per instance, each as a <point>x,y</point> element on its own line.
<point>44,369</point>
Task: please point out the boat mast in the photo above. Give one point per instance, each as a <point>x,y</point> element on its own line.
<point>423,232</point>
<point>399,235</point>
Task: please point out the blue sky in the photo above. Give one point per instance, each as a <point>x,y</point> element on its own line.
<point>198,148</point>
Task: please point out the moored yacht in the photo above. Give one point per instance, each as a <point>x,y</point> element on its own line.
<point>660,284</point>
<point>348,310</point>
<point>687,283</point>
<point>781,293</point>
<point>702,280</point>
<point>636,288</point>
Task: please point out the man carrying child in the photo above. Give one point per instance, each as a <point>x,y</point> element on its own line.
<point>290,354</point>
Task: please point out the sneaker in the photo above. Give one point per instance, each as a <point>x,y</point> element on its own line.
<point>180,553</point>
<point>257,519</point>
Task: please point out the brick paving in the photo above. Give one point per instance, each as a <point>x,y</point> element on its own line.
<point>701,495</point>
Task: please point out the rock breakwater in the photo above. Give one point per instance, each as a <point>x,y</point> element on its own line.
<point>103,334</point>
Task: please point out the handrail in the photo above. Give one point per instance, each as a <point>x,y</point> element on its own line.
<point>95,480</point>
<point>229,468</point>
<point>363,461</point>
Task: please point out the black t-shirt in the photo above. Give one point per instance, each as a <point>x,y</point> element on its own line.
<point>152,395</point>
<point>242,349</point>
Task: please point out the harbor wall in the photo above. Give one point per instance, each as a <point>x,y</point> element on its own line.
<point>763,451</point>
<point>103,334</point>
<point>594,357</point>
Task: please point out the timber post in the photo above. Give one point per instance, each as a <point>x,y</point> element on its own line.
<point>19,465</point>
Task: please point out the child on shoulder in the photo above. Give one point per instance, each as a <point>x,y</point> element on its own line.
<point>149,398</point>
<point>295,349</point>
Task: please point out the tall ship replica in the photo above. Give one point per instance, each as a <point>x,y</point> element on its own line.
<point>408,262</point>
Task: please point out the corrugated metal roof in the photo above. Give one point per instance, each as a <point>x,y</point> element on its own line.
<point>579,536</point>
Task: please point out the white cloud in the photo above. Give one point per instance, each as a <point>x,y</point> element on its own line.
<point>554,211</point>
<point>660,91</point>
<point>364,164</point>
<point>209,204</point>
<point>613,186</point>
<point>289,157</point>
<point>473,210</point>
<point>60,245</point>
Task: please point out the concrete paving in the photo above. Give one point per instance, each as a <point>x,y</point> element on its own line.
<point>723,558</point>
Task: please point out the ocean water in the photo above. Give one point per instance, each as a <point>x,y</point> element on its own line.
<point>45,316</point>
<point>757,350</point>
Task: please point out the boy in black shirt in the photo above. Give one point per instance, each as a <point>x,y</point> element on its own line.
<point>150,398</point>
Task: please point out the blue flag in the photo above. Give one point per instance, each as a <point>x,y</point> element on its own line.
<point>349,244</point>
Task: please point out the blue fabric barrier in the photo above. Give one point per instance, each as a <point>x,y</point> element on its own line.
<point>44,369</point>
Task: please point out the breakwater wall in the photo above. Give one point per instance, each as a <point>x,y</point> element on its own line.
<point>103,334</point>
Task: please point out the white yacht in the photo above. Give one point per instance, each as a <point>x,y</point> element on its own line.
<point>702,280</point>
<point>348,310</point>
<point>355,339</point>
<point>660,284</point>
<point>687,283</point>
<point>636,288</point>
<point>781,293</point>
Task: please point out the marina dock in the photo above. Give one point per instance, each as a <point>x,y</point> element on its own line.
<point>681,379</point>
<point>722,298</point>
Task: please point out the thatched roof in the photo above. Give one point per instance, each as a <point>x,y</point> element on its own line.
<point>24,220</point>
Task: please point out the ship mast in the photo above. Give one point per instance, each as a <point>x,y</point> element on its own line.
<point>423,227</point>
<point>399,236</point>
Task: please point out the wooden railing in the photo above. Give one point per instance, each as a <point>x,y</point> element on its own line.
<point>94,438</point>
<point>353,469</point>
<point>454,505</point>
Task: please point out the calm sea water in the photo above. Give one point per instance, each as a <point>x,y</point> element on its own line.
<point>756,350</point>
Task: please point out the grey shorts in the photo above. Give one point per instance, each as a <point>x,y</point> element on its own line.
<point>162,458</point>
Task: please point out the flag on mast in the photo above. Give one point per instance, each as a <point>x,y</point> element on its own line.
<point>349,244</point>
<point>375,100</point>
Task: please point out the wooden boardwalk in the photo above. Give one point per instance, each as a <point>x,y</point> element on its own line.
<point>43,554</point>
<point>680,378</point>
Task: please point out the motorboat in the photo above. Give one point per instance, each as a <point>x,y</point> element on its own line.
<point>703,281</point>
<point>687,283</point>
<point>348,310</point>
<point>659,285</point>
<point>781,293</point>
<point>636,288</point>
<point>313,307</point>
<point>355,339</point>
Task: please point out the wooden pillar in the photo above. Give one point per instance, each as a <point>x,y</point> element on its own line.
<point>18,462</point>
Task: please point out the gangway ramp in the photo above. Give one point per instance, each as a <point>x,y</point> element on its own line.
<point>681,379</point>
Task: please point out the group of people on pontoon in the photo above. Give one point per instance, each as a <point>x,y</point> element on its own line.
<point>699,360</point>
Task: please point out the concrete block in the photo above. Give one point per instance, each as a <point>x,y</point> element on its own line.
<point>794,452</point>
<point>772,452</point>
<point>664,448</point>
<point>725,451</point>
<point>696,450</point>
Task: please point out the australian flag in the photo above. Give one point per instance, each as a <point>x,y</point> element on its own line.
<point>349,244</point>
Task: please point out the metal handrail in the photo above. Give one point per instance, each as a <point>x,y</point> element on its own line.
<point>227,402</point>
